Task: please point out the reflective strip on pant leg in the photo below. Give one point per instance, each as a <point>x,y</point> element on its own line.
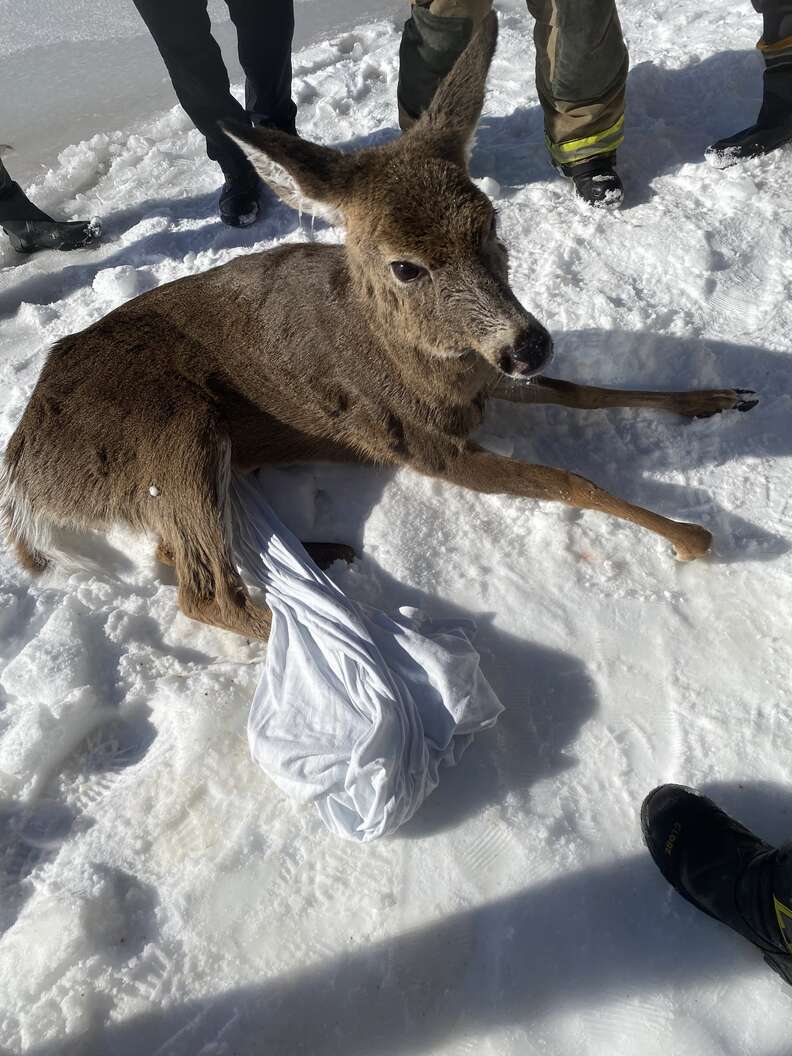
<point>777,54</point>
<point>573,150</point>
<point>784,918</point>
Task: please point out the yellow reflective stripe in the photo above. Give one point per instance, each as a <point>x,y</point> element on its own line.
<point>783,916</point>
<point>582,155</point>
<point>572,145</point>
<point>780,45</point>
<point>585,152</point>
<point>577,149</point>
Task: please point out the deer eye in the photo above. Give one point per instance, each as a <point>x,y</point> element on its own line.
<point>407,272</point>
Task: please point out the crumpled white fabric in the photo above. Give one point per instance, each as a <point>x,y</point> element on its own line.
<point>355,709</point>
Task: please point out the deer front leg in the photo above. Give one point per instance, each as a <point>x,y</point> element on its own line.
<point>695,403</point>
<point>482,471</point>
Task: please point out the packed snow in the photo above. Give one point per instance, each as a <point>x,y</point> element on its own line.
<point>159,894</point>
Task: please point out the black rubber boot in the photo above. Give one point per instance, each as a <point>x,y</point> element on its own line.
<point>751,142</point>
<point>723,869</point>
<point>773,127</point>
<point>239,199</point>
<point>596,181</point>
<point>29,236</point>
<point>30,228</point>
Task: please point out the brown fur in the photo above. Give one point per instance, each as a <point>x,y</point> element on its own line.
<point>305,352</point>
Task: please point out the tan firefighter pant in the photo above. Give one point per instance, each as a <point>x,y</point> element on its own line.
<point>581,67</point>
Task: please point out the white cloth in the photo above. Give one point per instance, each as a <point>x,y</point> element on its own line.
<point>355,710</point>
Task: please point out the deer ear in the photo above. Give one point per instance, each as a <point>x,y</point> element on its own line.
<point>449,123</point>
<point>304,175</point>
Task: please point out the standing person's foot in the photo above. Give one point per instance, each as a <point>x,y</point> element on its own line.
<point>752,142</point>
<point>239,199</point>
<point>29,236</point>
<point>773,127</point>
<point>596,181</point>
<point>723,869</point>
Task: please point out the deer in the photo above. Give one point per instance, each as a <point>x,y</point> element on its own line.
<point>384,349</point>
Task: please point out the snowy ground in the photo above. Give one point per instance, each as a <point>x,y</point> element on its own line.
<point>160,896</point>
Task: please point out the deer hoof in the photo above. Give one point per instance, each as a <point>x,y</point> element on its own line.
<point>696,543</point>
<point>744,401</point>
<point>709,403</point>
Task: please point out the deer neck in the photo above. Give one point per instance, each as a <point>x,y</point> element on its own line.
<point>452,382</point>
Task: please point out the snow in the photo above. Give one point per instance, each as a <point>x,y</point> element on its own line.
<point>159,895</point>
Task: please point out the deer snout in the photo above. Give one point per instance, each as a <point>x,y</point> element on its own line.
<point>529,354</point>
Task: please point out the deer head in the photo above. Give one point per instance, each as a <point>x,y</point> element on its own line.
<point>421,238</point>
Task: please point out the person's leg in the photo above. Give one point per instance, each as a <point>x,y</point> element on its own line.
<point>581,72</point>
<point>264,40</point>
<point>182,32</point>
<point>776,49</point>
<point>434,37</point>
<point>773,126</point>
<point>723,869</point>
<point>776,19</point>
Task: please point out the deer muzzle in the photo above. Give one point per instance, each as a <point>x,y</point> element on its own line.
<point>529,354</point>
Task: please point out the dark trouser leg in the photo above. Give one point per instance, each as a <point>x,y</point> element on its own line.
<point>773,126</point>
<point>434,37</point>
<point>776,49</point>
<point>265,29</point>
<point>776,17</point>
<point>581,72</point>
<point>182,31</point>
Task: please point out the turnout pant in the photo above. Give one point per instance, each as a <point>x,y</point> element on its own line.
<point>776,48</point>
<point>581,67</point>
<point>182,32</point>
<point>776,18</point>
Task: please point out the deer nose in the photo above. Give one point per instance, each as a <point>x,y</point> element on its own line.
<point>532,351</point>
